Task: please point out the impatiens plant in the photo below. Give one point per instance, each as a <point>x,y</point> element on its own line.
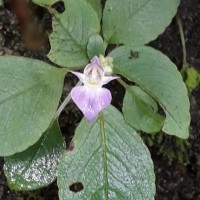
<point>106,158</point>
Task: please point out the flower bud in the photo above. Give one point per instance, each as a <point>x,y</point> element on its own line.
<point>107,64</point>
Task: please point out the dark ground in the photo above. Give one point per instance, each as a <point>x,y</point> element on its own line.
<point>177,162</point>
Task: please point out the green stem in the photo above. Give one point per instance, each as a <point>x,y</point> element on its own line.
<point>105,159</point>
<point>65,102</point>
<point>125,85</point>
<point>182,42</point>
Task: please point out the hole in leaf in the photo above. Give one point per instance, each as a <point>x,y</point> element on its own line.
<point>76,187</point>
<point>59,6</point>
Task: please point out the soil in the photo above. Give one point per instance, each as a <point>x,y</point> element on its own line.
<point>177,162</point>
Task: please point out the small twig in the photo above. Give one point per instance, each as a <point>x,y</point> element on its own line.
<point>185,64</point>
<point>65,102</point>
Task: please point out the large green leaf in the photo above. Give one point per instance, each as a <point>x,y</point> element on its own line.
<point>71,32</point>
<point>136,21</point>
<point>37,166</point>
<point>140,110</point>
<point>109,162</point>
<point>1,2</point>
<point>159,77</point>
<point>29,95</point>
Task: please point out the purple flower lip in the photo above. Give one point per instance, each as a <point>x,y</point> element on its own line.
<point>91,98</point>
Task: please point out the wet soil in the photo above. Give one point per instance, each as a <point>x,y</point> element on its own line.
<point>177,162</point>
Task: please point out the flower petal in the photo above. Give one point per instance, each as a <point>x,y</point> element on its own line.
<point>81,76</point>
<point>107,79</point>
<point>91,100</point>
<point>95,61</point>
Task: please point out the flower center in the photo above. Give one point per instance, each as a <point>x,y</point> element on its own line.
<point>93,83</point>
<point>94,74</point>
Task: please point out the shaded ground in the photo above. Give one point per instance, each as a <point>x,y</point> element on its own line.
<point>177,163</point>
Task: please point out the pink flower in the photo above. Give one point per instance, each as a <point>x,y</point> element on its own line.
<point>91,98</point>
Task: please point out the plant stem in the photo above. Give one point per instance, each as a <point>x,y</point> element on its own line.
<point>65,102</point>
<point>122,83</point>
<point>182,42</point>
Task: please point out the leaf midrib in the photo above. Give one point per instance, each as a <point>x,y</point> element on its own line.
<point>22,91</point>
<point>131,18</point>
<point>71,37</point>
<point>105,158</point>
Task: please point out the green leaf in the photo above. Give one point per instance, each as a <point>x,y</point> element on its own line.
<point>71,32</point>
<point>136,22</point>
<point>109,159</point>
<point>96,5</point>
<point>36,167</point>
<point>192,78</point>
<point>158,77</point>
<point>1,2</point>
<point>95,46</point>
<point>29,95</point>
<point>140,111</point>
<point>45,3</point>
